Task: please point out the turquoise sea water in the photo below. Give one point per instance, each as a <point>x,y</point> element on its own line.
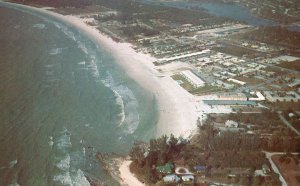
<point>62,99</point>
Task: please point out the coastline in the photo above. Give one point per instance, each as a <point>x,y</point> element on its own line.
<point>177,112</point>
<point>128,178</point>
<point>177,108</point>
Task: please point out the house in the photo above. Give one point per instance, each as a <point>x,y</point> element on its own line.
<point>199,168</point>
<point>187,178</point>
<point>172,178</point>
<point>165,169</point>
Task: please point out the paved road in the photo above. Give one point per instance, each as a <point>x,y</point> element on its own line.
<point>288,124</point>
<point>274,167</point>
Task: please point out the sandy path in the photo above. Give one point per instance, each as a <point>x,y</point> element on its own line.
<point>127,177</point>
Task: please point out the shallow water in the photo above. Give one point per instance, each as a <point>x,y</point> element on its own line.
<point>62,99</point>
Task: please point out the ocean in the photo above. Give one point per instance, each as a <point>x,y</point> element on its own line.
<point>62,100</point>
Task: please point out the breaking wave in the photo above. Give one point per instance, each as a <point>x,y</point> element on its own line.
<point>66,174</point>
<point>129,116</point>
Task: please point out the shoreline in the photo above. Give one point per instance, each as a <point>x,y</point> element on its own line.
<point>177,113</point>
<point>127,177</point>
<point>176,107</point>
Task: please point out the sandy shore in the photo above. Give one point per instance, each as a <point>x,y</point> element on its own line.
<point>177,108</point>
<point>127,177</point>
<point>177,111</point>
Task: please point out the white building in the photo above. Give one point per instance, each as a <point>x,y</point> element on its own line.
<point>173,178</point>
<point>232,96</point>
<point>259,96</point>
<point>192,78</point>
<point>187,178</point>
<point>236,81</point>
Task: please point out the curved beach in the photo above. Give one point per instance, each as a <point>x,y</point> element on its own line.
<point>177,108</point>
<point>177,111</point>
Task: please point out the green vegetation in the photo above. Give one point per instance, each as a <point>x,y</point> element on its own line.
<point>185,84</point>
<point>160,151</point>
<point>229,157</point>
<point>165,169</point>
<point>207,89</point>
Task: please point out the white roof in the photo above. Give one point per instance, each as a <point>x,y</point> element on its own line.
<point>193,78</point>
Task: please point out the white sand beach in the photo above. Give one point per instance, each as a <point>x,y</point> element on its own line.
<point>127,177</point>
<point>177,108</point>
<point>177,111</point>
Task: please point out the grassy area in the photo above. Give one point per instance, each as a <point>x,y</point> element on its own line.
<point>206,90</point>
<point>185,84</point>
<point>197,91</point>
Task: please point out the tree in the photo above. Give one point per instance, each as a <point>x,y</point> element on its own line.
<point>137,153</point>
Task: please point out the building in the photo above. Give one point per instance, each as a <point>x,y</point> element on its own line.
<point>236,81</point>
<point>192,78</point>
<point>172,178</point>
<point>200,168</point>
<point>229,102</point>
<point>232,97</point>
<point>258,96</point>
<point>187,178</point>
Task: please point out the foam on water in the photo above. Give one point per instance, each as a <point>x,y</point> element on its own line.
<point>51,141</point>
<point>82,46</point>
<point>64,164</point>
<point>64,179</point>
<point>120,102</point>
<point>93,69</point>
<point>83,150</point>
<point>55,51</point>
<point>12,163</point>
<point>65,30</point>
<point>128,104</point>
<point>64,142</point>
<point>67,174</point>
<point>80,179</point>
<point>81,63</point>
<point>39,26</point>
